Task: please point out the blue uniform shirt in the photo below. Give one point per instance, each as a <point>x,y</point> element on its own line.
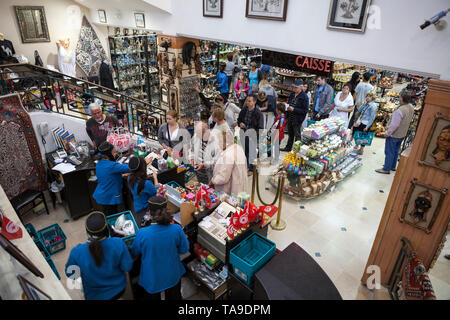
<point>160,247</point>
<point>108,280</point>
<point>109,182</point>
<point>141,201</point>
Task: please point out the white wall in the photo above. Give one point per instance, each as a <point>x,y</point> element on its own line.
<point>73,125</point>
<point>63,19</point>
<point>399,44</point>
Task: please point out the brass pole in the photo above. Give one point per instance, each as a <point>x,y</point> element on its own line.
<point>280,224</point>
<point>255,172</point>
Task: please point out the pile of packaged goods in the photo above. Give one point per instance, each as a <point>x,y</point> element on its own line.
<point>316,165</point>
<point>386,83</point>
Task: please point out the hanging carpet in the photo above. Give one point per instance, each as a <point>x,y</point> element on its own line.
<point>21,166</point>
<point>89,51</point>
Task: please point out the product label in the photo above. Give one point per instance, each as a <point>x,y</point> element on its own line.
<point>240,274</point>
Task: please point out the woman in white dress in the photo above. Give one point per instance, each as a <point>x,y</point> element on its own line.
<point>343,104</point>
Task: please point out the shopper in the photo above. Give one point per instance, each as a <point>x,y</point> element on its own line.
<point>250,117</point>
<point>354,81</point>
<point>102,262</point>
<point>99,125</point>
<point>255,76</point>
<point>396,132</point>
<point>159,246</point>
<point>297,109</point>
<point>108,192</point>
<point>322,99</point>
<point>203,154</point>
<point>141,188</point>
<point>279,125</point>
<point>218,117</point>
<point>222,80</point>
<point>368,112</point>
<point>241,87</point>
<point>272,97</point>
<point>361,91</point>
<point>343,104</point>
<point>266,108</point>
<point>171,133</point>
<point>230,170</point>
<point>229,68</point>
<point>237,60</point>
<point>308,115</point>
<point>231,111</point>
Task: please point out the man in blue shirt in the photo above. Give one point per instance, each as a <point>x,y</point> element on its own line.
<point>322,99</point>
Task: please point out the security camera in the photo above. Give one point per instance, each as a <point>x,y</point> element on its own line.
<point>435,19</point>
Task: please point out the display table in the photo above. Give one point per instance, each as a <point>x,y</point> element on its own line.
<point>293,275</point>
<point>10,288</point>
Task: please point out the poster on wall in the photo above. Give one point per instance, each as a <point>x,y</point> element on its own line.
<point>348,15</point>
<point>213,8</point>
<point>139,18</point>
<point>437,148</point>
<point>267,9</point>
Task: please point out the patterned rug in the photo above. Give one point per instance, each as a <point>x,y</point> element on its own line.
<point>21,166</point>
<point>89,50</point>
<point>416,283</point>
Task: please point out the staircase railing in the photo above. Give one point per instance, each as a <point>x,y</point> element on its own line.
<point>45,89</point>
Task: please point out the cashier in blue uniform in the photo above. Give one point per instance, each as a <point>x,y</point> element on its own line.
<point>160,245</point>
<point>141,188</point>
<point>101,262</point>
<point>108,192</point>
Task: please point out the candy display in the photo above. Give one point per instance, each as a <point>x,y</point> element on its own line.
<point>316,164</point>
<point>120,138</point>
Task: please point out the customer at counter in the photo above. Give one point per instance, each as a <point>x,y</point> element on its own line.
<point>230,171</point>
<point>101,262</point>
<point>170,133</point>
<point>99,125</point>
<point>160,245</point>
<point>141,188</point>
<point>108,192</point>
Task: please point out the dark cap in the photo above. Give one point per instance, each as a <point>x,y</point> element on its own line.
<point>298,83</point>
<point>96,224</point>
<point>156,203</point>
<point>105,147</point>
<point>135,164</point>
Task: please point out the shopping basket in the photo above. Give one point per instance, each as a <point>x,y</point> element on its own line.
<point>364,138</point>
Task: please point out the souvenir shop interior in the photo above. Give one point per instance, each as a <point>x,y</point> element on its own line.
<point>117,101</point>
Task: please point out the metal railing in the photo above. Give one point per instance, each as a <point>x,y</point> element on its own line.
<point>45,89</point>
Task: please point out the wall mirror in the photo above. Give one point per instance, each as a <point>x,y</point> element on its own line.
<point>32,24</point>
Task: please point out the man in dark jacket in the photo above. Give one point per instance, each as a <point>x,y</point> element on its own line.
<point>297,109</point>
<point>250,117</point>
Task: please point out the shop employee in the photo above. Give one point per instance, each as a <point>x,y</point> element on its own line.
<point>102,262</point>
<point>108,192</point>
<point>160,245</point>
<point>141,188</point>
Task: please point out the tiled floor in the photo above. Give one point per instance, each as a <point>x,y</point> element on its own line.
<point>334,229</point>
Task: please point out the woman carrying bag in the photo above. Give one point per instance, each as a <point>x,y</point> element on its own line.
<point>368,112</point>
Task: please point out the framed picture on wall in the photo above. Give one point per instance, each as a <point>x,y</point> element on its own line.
<point>213,8</point>
<point>139,18</point>
<point>437,148</point>
<point>32,24</point>
<point>422,205</point>
<point>267,9</point>
<point>348,15</point>
<point>102,16</point>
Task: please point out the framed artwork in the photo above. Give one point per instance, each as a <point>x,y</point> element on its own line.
<point>139,18</point>
<point>213,8</point>
<point>9,247</point>
<point>102,16</point>
<point>422,205</point>
<point>32,24</point>
<point>164,94</point>
<point>437,148</point>
<point>348,15</point>
<point>267,9</point>
<point>31,292</point>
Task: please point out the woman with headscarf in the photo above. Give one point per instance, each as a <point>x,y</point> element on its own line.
<point>108,192</point>
<point>159,246</point>
<point>141,188</point>
<point>102,262</point>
